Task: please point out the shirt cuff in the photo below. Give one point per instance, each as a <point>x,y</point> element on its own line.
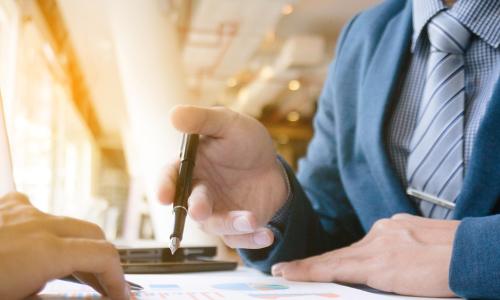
<point>279,221</point>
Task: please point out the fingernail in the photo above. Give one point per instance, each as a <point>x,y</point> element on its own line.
<point>262,238</point>
<point>242,224</point>
<point>277,269</point>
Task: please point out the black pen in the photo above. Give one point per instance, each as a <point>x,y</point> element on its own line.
<point>183,187</point>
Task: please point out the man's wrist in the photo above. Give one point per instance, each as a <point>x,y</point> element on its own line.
<point>279,219</point>
<point>285,177</point>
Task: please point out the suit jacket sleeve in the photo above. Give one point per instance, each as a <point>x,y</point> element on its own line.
<point>475,262</point>
<point>320,217</point>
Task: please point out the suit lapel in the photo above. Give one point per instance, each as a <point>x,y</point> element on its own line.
<point>481,190</point>
<point>379,86</point>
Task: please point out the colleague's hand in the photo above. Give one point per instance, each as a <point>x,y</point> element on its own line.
<point>406,255</point>
<point>36,247</point>
<point>238,183</point>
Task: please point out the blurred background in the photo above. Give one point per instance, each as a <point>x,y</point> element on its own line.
<point>87,86</point>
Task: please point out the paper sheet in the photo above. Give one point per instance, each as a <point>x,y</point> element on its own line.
<point>241,284</point>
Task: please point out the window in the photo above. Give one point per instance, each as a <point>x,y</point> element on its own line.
<point>54,154</point>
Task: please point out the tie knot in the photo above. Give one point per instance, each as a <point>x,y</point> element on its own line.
<point>447,34</point>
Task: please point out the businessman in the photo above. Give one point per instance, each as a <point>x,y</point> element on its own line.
<point>400,188</point>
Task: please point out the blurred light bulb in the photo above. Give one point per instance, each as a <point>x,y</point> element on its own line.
<point>293,116</point>
<point>287,9</point>
<point>294,85</point>
<point>266,73</point>
<point>232,82</point>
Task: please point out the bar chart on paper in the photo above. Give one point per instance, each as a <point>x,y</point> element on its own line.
<point>193,289</point>
<point>236,290</point>
<point>242,284</point>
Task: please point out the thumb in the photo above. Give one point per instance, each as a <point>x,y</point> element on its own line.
<point>209,121</point>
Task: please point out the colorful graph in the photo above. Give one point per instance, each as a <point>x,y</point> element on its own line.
<point>250,287</point>
<point>164,286</point>
<point>142,295</point>
<point>287,296</point>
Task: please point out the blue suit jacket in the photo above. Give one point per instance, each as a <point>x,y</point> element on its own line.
<point>346,182</point>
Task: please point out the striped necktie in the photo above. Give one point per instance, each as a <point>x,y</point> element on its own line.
<point>435,163</point>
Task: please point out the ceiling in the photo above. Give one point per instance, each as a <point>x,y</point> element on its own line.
<point>227,44</point>
<point>87,24</point>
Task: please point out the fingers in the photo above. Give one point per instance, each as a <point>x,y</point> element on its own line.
<point>407,228</point>
<point>229,223</point>
<point>13,201</point>
<point>62,227</point>
<point>16,197</point>
<point>91,280</point>
<point>97,257</point>
<point>69,227</point>
<point>211,121</point>
<point>261,238</point>
<point>166,189</point>
<point>200,204</point>
<point>328,267</point>
<point>238,229</point>
<point>424,222</point>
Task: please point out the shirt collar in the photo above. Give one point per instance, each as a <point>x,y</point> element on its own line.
<point>479,16</point>
<point>423,11</point>
<point>482,17</point>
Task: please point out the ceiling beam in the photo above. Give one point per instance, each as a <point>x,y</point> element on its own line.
<point>81,96</point>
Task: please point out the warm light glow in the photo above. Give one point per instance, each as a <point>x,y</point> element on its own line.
<point>293,116</point>
<point>294,85</point>
<point>270,37</point>
<point>287,9</point>
<point>49,52</point>
<point>266,73</point>
<point>283,139</point>
<point>232,82</point>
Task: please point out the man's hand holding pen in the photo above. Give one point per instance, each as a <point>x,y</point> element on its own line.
<point>237,182</point>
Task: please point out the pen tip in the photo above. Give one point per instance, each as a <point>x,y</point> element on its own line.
<point>174,244</point>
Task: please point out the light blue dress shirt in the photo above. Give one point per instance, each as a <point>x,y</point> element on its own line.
<point>482,69</point>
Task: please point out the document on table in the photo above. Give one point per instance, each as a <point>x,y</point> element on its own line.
<point>241,284</point>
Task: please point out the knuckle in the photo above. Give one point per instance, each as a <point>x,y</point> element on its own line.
<point>17,197</point>
<point>383,224</point>
<point>224,110</point>
<point>31,212</point>
<point>95,230</point>
<point>399,216</point>
<point>404,234</point>
<point>382,241</point>
<point>232,115</point>
<point>109,251</point>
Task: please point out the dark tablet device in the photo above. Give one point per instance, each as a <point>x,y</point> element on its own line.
<point>178,267</point>
<point>161,261</point>
<point>163,254</point>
